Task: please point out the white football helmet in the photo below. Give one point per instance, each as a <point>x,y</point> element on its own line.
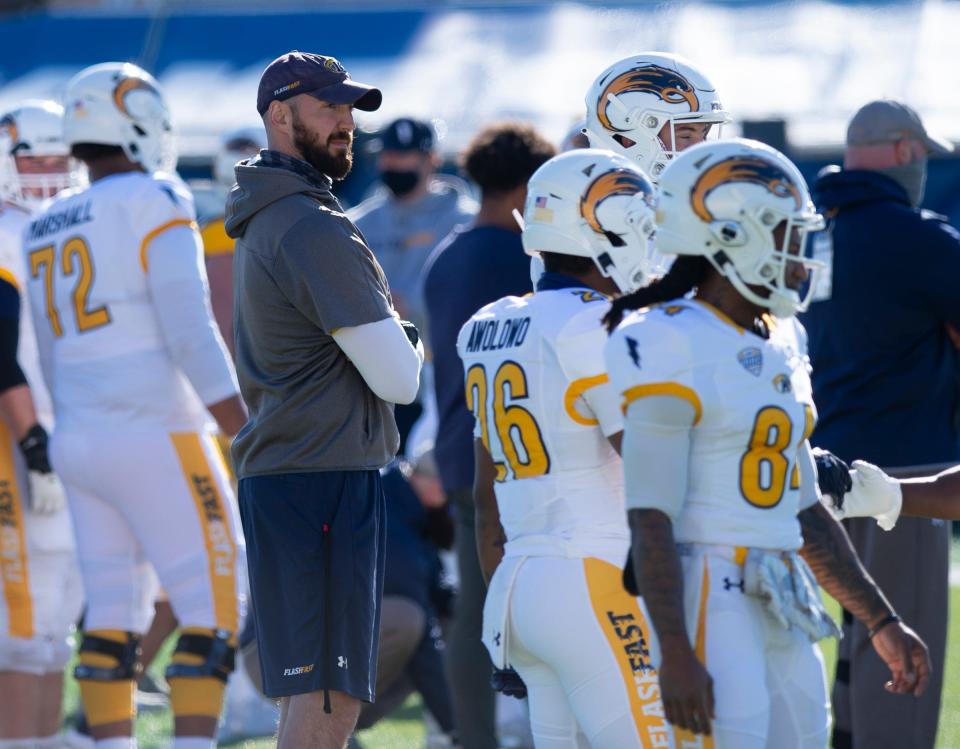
<point>597,204</point>
<point>235,146</point>
<point>34,130</point>
<point>631,102</point>
<point>727,201</point>
<point>119,104</point>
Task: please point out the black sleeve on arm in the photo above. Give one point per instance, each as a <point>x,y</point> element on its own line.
<point>330,275</point>
<point>10,373</point>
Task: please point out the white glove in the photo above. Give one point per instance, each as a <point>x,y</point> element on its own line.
<point>874,494</point>
<point>47,496</point>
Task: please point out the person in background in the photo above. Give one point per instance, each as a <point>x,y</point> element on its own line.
<point>474,266</point>
<point>415,209</point>
<point>885,381</point>
<point>42,592</point>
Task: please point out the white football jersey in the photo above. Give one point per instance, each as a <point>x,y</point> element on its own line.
<point>101,344</point>
<point>544,408</point>
<point>13,219</point>
<point>754,410</point>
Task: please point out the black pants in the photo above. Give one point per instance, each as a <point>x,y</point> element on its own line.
<point>911,566</point>
<point>468,663</point>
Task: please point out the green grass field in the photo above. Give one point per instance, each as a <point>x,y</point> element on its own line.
<point>404,730</point>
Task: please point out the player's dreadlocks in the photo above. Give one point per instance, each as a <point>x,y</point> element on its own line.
<point>686,273</point>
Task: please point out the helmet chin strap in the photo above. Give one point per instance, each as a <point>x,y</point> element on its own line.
<point>778,304</point>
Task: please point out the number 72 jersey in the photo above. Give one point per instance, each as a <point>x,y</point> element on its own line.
<point>87,262</point>
<point>544,409</point>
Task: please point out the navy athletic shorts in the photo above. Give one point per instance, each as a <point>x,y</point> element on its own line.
<point>315,551</point>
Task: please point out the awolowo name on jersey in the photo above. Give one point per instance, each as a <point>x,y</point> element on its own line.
<point>493,335</point>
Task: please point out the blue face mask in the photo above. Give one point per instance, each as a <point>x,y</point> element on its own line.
<point>911,177</point>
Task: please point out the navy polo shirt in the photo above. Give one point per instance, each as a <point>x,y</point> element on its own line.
<point>885,372</point>
<point>470,269</point>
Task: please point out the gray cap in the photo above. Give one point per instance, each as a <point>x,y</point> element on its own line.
<point>886,120</point>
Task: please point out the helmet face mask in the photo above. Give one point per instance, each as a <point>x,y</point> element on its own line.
<point>596,204</point>
<point>35,163</point>
<point>746,208</point>
<point>119,104</point>
<point>638,103</point>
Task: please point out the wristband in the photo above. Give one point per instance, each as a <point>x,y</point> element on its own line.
<point>34,449</point>
<point>889,619</point>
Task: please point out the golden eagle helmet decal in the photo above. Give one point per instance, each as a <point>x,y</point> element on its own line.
<point>668,85</point>
<point>614,182</point>
<point>124,87</point>
<point>751,169</point>
<point>745,207</point>
<point>120,104</point>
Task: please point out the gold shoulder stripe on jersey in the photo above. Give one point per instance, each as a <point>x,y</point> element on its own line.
<point>11,279</point>
<point>577,388</point>
<point>145,244</point>
<point>674,389</point>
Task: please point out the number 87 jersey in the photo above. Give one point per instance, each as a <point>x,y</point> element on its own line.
<point>749,469</point>
<point>544,408</point>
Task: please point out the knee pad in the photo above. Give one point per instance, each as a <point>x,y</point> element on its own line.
<point>198,671</point>
<point>107,672</point>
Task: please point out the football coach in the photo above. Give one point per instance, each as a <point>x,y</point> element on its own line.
<point>321,357</point>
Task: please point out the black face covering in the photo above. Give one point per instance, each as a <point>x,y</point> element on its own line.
<point>400,183</point>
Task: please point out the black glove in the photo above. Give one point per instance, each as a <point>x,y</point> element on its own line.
<point>413,335</point>
<point>833,475</point>
<point>34,448</point>
<point>508,681</point>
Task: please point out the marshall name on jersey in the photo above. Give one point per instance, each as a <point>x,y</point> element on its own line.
<point>544,409</point>
<point>753,408</point>
<point>87,263</point>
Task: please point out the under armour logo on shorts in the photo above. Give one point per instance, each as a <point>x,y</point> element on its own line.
<point>341,662</point>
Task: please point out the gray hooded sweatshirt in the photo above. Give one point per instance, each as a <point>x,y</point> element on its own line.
<point>301,271</point>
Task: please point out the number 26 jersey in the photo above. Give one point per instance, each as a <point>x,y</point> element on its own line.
<point>544,409</point>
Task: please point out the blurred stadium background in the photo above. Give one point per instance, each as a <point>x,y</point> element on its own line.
<point>791,72</point>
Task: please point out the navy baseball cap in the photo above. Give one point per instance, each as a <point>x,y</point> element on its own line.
<point>405,134</point>
<point>322,77</point>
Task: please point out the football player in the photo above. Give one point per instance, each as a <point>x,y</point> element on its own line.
<point>42,594</point>
<point>549,485</point>
<point>729,538</point>
<point>136,368</point>
<point>650,107</point>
